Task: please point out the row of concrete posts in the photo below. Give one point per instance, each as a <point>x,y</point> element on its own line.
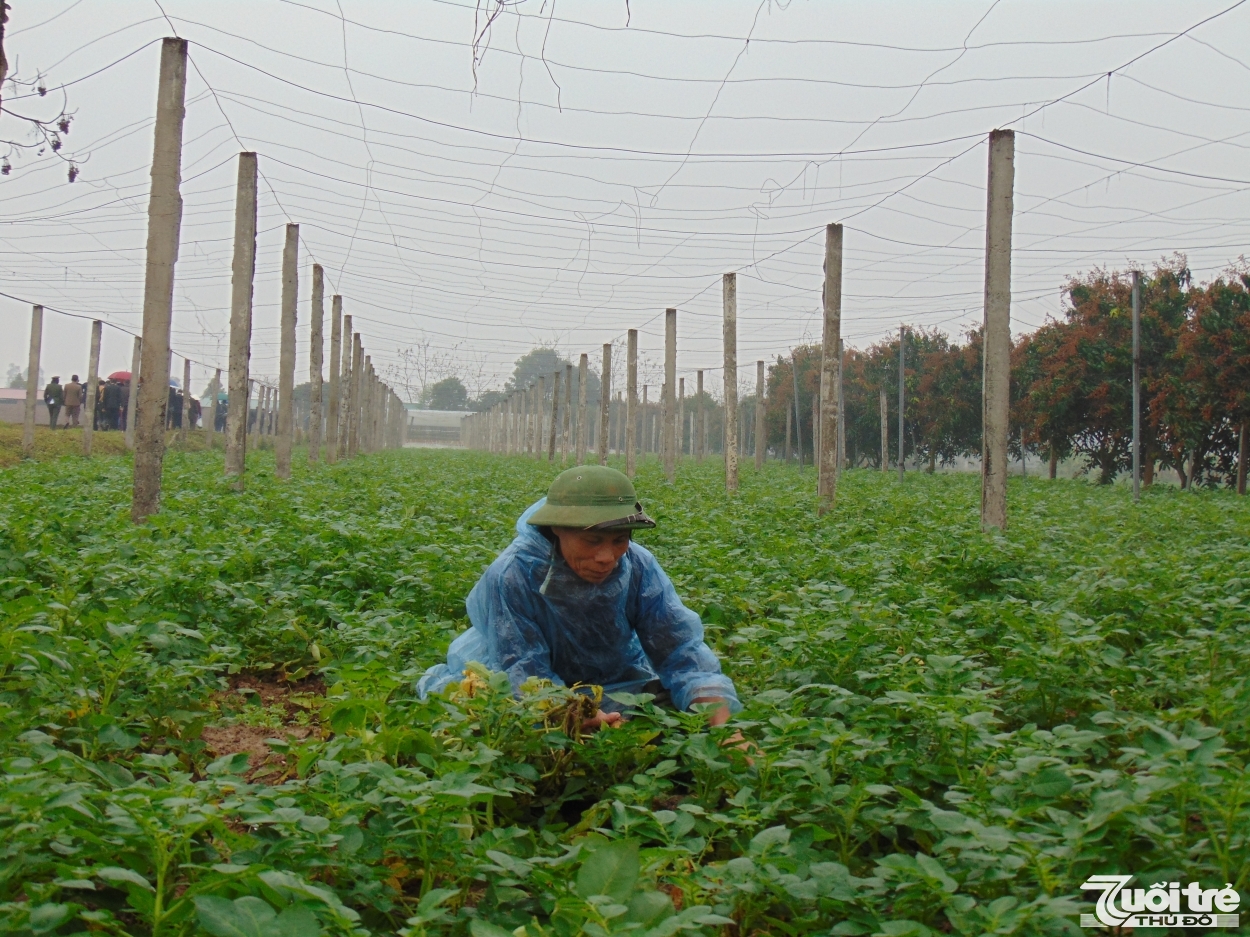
<point>516,424</point>
<point>359,414</point>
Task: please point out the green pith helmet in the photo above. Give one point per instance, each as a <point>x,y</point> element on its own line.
<point>592,497</point>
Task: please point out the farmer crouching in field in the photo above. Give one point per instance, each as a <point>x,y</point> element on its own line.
<point>575,601</point>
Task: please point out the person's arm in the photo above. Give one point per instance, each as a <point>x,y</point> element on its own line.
<point>501,608</point>
<point>672,637</point>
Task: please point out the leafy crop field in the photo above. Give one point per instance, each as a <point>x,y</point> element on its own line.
<point>207,725</point>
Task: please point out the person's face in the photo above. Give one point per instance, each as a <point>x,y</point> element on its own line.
<point>592,555</point>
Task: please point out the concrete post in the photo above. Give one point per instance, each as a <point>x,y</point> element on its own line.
<point>701,414</point>
<point>93,385</point>
<point>996,382</point>
<point>605,403</point>
<point>555,415</point>
<point>583,422</point>
<point>242,274</point>
<point>1136,389</point>
<point>524,440</point>
<point>379,394</point>
<point>375,409</point>
<point>568,413</point>
<point>365,445</point>
<point>361,380</point>
<point>645,423</point>
<point>517,405</point>
<point>841,459</point>
<point>248,426</point>
<point>902,402</point>
<point>618,434</point>
<point>830,372</point>
<point>816,425</point>
<point>785,455</point>
<point>540,406</point>
<point>211,420</point>
<point>286,360</point>
<point>366,406</point>
<point>661,425</point>
<point>798,414</point>
<point>184,434</point>
<point>518,428</point>
<point>761,425</point>
<point>315,365</point>
<point>631,403</point>
<point>353,402</point>
<point>32,381</point>
<point>164,226</point>
<point>132,392</point>
<point>532,410</point>
<point>730,336</point>
<point>332,401</point>
<point>883,404</point>
<point>506,427</point>
<point>670,394</point>
<point>345,386</point>
<point>681,417</point>
<point>538,398</point>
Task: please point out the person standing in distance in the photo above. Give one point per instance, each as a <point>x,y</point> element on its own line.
<point>53,398</point>
<point>74,394</point>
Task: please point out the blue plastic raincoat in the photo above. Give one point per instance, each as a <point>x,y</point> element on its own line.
<point>532,616</point>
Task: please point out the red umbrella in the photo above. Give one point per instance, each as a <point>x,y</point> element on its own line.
<point>119,376</point>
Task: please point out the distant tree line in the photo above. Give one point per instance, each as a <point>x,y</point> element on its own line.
<point>1071,383</point>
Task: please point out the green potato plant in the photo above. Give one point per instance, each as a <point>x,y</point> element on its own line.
<point>949,731</point>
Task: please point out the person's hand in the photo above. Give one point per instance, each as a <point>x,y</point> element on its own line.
<point>602,720</point>
<point>720,715</point>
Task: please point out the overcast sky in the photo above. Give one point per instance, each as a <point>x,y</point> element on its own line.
<point>603,161</point>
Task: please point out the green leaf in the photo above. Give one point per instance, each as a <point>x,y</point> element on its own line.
<point>114,873</point>
<point>773,836</point>
<point>648,908</point>
<point>297,921</point>
<point>115,736</point>
<point>244,917</point>
<point>430,908</point>
<point>228,764</point>
<point>1051,782</point>
<point>903,929</point>
<point>480,928</point>
<point>46,917</point>
<point>933,869</point>
<point>611,870</point>
<point>850,929</point>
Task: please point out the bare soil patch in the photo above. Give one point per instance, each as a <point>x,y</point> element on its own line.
<point>295,704</point>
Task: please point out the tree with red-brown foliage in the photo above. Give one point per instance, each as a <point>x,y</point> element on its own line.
<point>1211,407</point>
<point>1078,397</point>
